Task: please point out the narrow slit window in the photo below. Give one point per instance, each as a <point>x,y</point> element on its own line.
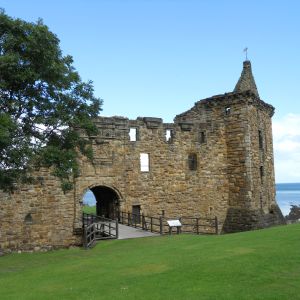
<point>144,162</point>
<point>169,135</point>
<point>260,140</point>
<point>202,137</point>
<point>192,161</point>
<point>133,134</point>
<point>261,171</point>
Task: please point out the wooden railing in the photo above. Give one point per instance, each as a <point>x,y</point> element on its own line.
<point>98,228</point>
<point>159,224</point>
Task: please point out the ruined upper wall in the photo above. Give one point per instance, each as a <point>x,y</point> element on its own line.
<point>202,108</point>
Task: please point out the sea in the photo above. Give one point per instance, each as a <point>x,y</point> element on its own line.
<point>287,194</point>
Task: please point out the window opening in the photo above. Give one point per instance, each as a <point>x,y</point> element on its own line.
<point>192,161</point>
<point>144,162</point>
<point>260,140</point>
<point>169,135</point>
<point>133,134</point>
<point>28,219</point>
<point>202,137</point>
<point>227,110</point>
<point>261,171</point>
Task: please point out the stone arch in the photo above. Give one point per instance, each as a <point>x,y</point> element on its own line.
<point>108,200</point>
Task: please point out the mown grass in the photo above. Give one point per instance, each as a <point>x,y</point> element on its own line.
<point>263,264</point>
<point>89,209</point>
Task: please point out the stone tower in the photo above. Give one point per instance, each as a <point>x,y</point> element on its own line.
<point>239,126</point>
<point>250,158</point>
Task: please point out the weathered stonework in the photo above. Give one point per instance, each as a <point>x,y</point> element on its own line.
<point>217,161</point>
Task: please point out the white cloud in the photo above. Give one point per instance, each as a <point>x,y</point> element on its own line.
<point>286,138</point>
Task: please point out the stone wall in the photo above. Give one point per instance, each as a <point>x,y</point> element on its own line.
<point>37,216</point>
<point>217,162</point>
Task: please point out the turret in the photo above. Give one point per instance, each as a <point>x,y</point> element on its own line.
<point>246,81</point>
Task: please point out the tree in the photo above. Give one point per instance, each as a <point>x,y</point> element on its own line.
<point>43,102</point>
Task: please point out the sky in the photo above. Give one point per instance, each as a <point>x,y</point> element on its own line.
<point>156,58</point>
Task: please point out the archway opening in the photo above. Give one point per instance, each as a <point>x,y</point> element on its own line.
<point>89,202</point>
<point>107,202</point>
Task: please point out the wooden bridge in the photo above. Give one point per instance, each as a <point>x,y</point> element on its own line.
<point>97,228</point>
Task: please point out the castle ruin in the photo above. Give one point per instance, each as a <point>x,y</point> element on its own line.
<point>216,159</point>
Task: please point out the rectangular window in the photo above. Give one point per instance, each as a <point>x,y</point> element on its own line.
<point>144,162</point>
<point>192,161</point>
<point>202,137</point>
<point>133,134</point>
<point>169,135</point>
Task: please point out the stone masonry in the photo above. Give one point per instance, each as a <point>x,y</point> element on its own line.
<point>216,159</point>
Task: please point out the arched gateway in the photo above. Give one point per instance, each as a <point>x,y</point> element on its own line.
<point>107,201</point>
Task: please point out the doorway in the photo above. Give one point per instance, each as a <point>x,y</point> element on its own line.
<point>107,202</point>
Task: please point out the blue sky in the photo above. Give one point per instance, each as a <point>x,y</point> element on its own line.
<point>156,58</point>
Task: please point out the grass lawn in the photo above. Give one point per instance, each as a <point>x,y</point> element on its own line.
<point>89,209</point>
<point>263,264</point>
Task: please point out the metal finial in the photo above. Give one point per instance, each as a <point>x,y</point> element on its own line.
<point>246,50</point>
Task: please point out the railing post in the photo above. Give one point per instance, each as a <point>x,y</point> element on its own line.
<point>151,224</point>
<point>143,222</point>
<point>179,228</point>
<point>160,225</point>
<point>197,225</point>
<point>128,218</point>
<point>84,238</point>
<point>216,225</point>
<point>117,229</point>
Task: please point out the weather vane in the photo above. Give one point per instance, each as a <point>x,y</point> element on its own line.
<point>246,51</point>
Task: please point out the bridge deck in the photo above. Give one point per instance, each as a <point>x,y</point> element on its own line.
<point>126,232</point>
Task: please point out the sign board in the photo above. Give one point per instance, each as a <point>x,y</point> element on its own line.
<point>174,223</point>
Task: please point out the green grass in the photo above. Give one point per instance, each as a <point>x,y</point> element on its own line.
<point>263,264</point>
<point>89,209</point>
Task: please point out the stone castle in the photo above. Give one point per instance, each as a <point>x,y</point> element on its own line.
<point>216,159</point>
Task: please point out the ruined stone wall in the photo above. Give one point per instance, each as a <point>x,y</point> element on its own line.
<point>218,162</point>
<point>169,185</point>
<point>37,216</point>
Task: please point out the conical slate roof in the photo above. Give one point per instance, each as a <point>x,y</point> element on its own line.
<point>246,81</point>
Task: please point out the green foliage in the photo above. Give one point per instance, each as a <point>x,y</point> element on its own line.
<point>261,264</point>
<point>43,102</point>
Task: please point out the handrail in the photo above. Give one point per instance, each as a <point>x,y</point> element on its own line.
<point>197,225</point>
<point>98,228</point>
